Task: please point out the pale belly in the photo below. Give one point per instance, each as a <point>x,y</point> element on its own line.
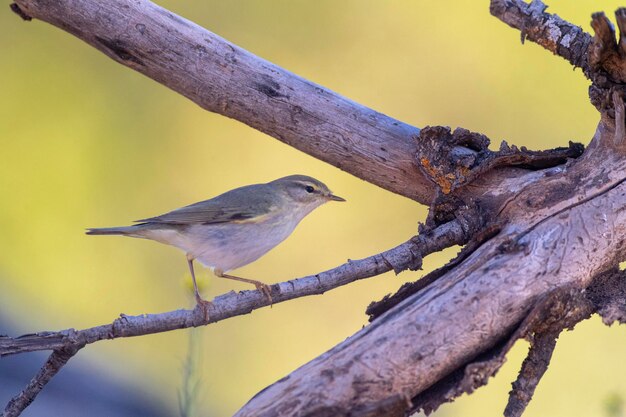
<point>226,246</point>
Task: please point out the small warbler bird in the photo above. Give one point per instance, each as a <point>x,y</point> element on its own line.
<point>234,228</point>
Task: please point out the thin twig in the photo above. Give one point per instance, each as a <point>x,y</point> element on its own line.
<point>533,368</point>
<point>66,343</point>
<point>57,359</point>
<point>405,256</point>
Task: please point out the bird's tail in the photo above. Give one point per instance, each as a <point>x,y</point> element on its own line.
<point>127,230</point>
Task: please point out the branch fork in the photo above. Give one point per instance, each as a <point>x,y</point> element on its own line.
<point>479,198</point>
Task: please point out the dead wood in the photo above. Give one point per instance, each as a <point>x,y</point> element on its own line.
<point>540,225</point>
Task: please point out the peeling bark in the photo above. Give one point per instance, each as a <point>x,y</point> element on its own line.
<point>540,225</point>
<point>563,226</point>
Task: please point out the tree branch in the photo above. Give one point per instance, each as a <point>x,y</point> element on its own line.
<point>548,30</point>
<point>563,309</point>
<point>226,79</point>
<point>556,227</point>
<point>405,256</point>
<point>57,359</point>
<point>561,227</point>
<point>560,309</point>
<point>67,343</point>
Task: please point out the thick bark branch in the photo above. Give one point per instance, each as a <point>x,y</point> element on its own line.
<point>560,309</point>
<point>564,226</point>
<point>556,228</point>
<point>405,256</point>
<point>226,79</point>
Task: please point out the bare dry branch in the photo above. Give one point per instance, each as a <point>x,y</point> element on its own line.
<point>533,368</point>
<point>561,227</point>
<point>57,359</point>
<point>548,30</point>
<point>405,256</point>
<point>560,309</point>
<point>544,232</point>
<point>66,343</point>
<point>378,308</point>
<point>226,79</point>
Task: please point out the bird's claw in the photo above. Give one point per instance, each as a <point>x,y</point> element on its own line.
<point>265,290</point>
<point>203,306</point>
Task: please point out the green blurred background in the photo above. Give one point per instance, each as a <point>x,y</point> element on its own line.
<point>86,142</point>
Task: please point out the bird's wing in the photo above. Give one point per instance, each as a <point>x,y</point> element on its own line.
<point>238,205</point>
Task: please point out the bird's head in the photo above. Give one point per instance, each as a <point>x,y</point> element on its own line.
<point>305,191</point>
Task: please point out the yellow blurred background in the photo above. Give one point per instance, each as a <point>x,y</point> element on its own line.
<point>86,142</point>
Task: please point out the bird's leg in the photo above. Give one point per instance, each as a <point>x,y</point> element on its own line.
<point>200,302</point>
<point>264,288</point>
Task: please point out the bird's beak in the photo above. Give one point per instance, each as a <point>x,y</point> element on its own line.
<point>335,198</point>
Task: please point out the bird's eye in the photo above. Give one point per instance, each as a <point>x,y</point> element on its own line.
<point>309,189</point>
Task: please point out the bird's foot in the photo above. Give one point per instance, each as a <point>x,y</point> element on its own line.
<point>265,290</point>
<point>203,307</point>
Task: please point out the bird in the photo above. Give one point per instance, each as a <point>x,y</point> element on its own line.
<point>232,229</point>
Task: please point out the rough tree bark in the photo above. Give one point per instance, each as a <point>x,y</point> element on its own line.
<point>546,229</point>
<point>224,78</point>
